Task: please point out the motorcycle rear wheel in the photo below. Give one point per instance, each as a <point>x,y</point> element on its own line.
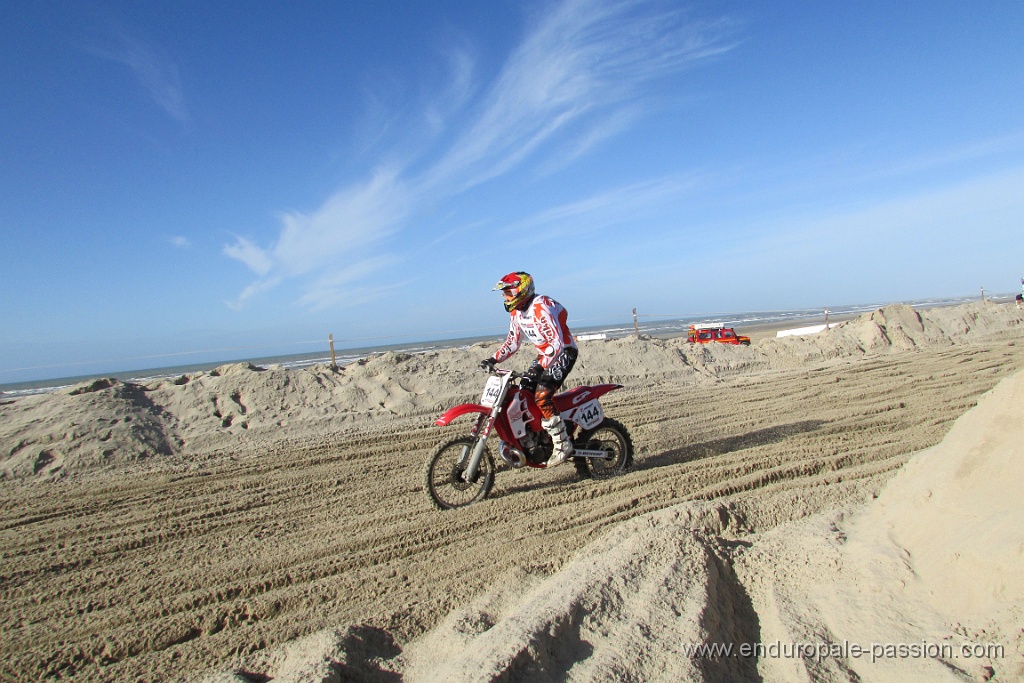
<point>610,436</point>
<point>445,479</point>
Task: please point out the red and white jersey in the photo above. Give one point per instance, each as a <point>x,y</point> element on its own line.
<point>543,323</point>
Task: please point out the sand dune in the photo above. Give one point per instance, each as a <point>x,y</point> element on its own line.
<point>935,563</point>
<point>106,424</point>
<point>250,524</point>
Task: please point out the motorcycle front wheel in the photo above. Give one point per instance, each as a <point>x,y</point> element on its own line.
<point>611,437</point>
<point>446,483</point>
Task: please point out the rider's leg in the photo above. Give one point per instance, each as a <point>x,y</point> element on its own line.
<point>554,425</point>
<point>547,384</point>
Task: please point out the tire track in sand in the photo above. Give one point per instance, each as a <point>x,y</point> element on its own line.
<point>162,573</point>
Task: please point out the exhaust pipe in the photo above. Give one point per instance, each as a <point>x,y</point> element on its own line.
<point>513,456</point>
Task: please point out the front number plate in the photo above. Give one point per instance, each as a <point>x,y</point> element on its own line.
<point>491,391</point>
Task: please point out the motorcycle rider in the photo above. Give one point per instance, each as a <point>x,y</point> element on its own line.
<point>543,321</point>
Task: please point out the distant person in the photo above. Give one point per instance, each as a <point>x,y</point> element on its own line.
<point>1020,297</point>
<point>543,321</point>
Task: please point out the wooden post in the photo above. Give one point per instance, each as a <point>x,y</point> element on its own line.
<point>636,327</point>
<point>334,361</point>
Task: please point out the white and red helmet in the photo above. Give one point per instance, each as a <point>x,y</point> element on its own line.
<point>517,289</point>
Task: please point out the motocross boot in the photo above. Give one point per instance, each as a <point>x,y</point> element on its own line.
<point>563,449</point>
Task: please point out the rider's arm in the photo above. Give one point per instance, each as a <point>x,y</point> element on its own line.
<point>511,344</point>
<point>551,323</point>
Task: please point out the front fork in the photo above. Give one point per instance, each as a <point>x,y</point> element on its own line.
<point>482,430</point>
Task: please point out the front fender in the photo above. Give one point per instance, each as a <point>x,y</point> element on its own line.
<point>459,411</point>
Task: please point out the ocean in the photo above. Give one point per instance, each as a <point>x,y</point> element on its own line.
<point>646,323</point>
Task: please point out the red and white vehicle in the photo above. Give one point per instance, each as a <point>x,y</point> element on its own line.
<point>461,471</point>
<point>706,333</point>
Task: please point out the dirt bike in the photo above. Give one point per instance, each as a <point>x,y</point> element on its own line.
<point>461,471</point>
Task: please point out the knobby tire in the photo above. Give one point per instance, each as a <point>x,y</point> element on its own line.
<point>611,436</point>
<point>443,476</point>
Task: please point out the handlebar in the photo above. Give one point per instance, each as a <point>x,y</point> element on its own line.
<point>502,371</point>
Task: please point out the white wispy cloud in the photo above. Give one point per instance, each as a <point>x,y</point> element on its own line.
<point>610,208</point>
<point>157,73</point>
<point>461,67</point>
<point>885,240</point>
<point>579,76</point>
<point>252,290</point>
<point>335,241</point>
<point>354,218</point>
<point>257,259</point>
<point>180,241</point>
<point>336,288</point>
<point>583,64</point>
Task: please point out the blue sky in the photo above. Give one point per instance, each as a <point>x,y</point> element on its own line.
<point>190,180</point>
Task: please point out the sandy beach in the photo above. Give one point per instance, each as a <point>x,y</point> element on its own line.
<point>858,488</point>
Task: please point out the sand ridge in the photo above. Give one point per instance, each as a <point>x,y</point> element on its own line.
<point>301,547</point>
<point>107,424</point>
